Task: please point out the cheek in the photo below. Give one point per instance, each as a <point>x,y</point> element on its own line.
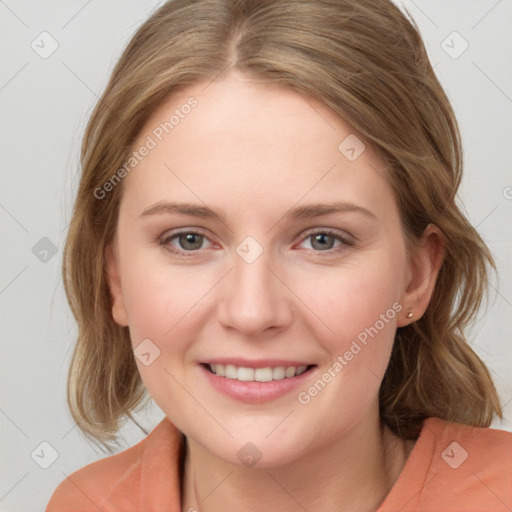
<point>360,305</point>
<point>162,307</point>
<point>161,299</point>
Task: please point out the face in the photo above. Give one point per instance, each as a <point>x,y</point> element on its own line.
<point>303,300</point>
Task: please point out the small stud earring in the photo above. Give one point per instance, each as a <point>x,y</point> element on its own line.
<point>408,315</point>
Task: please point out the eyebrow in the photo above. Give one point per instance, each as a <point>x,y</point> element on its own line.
<point>301,212</point>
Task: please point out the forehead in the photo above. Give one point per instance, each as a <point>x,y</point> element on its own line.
<point>245,142</point>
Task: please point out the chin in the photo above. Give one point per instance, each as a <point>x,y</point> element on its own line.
<point>259,449</point>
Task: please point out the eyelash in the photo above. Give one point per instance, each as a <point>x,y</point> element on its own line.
<point>345,242</point>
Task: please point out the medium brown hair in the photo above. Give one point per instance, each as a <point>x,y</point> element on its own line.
<point>366,61</point>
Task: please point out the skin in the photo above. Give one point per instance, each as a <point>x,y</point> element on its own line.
<point>253,151</point>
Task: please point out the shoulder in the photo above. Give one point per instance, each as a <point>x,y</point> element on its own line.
<point>464,467</point>
<point>85,489</point>
<point>118,480</point>
<point>460,445</point>
<point>472,465</point>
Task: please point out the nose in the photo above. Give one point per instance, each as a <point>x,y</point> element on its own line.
<point>255,298</point>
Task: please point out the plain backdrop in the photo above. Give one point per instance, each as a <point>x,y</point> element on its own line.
<point>45,101</point>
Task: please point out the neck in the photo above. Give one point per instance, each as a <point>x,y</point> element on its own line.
<point>355,472</point>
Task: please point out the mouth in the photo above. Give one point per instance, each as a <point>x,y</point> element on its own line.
<point>257,382</point>
<point>250,374</point>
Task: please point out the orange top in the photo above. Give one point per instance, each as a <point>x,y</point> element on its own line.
<point>452,467</point>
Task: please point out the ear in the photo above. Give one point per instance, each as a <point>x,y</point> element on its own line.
<point>114,284</point>
<point>425,262</point>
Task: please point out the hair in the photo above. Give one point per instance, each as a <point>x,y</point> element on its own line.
<point>366,61</point>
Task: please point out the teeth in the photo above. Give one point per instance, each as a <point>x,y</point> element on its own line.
<point>245,374</point>
<point>263,374</point>
<point>229,371</point>
<point>279,372</point>
<point>256,374</point>
<point>290,371</point>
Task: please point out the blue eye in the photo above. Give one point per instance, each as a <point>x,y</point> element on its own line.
<point>189,243</point>
<point>324,240</point>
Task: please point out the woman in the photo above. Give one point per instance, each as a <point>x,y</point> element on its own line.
<point>266,239</point>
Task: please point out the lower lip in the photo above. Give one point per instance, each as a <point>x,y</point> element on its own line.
<point>256,392</point>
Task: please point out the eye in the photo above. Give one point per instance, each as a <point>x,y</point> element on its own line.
<point>189,242</point>
<point>324,240</point>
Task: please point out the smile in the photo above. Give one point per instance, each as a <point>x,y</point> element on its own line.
<point>256,381</point>
<point>246,374</point>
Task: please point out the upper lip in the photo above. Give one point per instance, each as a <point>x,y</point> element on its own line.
<point>259,363</point>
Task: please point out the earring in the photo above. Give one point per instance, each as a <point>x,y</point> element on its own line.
<point>408,315</point>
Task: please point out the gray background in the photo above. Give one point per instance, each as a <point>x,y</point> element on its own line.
<point>45,103</point>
